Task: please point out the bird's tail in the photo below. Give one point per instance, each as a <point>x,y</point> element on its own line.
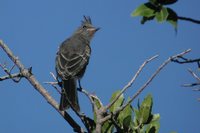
<point>69,93</point>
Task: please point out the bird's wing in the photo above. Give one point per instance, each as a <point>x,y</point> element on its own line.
<point>72,60</point>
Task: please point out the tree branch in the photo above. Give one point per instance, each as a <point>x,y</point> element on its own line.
<point>189,19</point>
<point>147,83</point>
<point>131,82</point>
<point>194,75</point>
<point>34,82</point>
<point>15,77</point>
<point>11,76</point>
<point>193,84</point>
<point>102,113</point>
<point>183,60</point>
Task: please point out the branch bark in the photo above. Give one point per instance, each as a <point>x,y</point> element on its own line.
<point>35,83</point>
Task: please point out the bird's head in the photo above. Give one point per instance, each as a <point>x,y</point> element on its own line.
<point>87,30</point>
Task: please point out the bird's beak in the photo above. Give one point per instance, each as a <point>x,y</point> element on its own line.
<point>92,31</point>
<point>97,29</point>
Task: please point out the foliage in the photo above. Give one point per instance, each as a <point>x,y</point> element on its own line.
<point>156,9</point>
<point>132,120</point>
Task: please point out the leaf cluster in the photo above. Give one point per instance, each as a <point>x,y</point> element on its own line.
<point>131,120</point>
<point>156,9</point>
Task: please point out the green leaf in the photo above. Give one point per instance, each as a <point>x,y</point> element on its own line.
<point>156,117</point>
<point>145,10</point>
<point>162,15</point>
<point>145,109</point>
<point>137,113</point>
<point>107,127</point>
<point>166,2</point>
<point>145,19</point>
<point>144,121</point>
<point>136,117</point>
<point>118,103</point>
<point>153,127</point>
<point>127,122</point>
<point>125,116</point>
<point>172,18</point>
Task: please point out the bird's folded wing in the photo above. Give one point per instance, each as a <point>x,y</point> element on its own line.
<point>69,65</point>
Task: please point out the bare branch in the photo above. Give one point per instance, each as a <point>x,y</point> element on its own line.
<point>183,60</point>
<point>53,76</point>
<point>194,75</point>
<point>90,97</point>
<point>193,84</point>
<point>190,85</point>
<point>147,83</point>
<point>15,78</point>
<point>34,82</point>
<point>189,19</point>
<point>153,76</point>
<point>131,82</point>
<point>11,76</point>
<point>53,84</point>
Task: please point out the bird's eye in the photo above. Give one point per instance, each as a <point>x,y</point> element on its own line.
<point>84,26</point>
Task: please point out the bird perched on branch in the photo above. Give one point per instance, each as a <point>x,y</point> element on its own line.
<point>71,61</point>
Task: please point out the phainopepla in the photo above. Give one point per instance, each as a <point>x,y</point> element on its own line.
<point>71,61</point>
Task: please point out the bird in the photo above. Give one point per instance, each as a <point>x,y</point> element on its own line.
<point>72,59</point>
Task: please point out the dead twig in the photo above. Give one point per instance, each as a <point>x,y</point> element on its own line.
<point>11,76</point>
<point>194,75</point>
<point>15,77</point>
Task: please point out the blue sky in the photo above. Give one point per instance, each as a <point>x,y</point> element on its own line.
<point>34,30</point>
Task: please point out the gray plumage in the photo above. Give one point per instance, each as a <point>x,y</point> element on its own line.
<point>71,61</point>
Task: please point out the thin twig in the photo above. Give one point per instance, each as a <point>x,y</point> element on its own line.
<point>15,75</point>
<point>189,19</point>
<point>91,98</point>
<point>190,85</point>
<point>54,77</point>
<point>53,84</point>
<point>131,82</point>
<point>15,78</point>
<point>194,75</point>
<point>185,60</point>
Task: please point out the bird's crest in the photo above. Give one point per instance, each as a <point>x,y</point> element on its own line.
<point>87,20</point>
